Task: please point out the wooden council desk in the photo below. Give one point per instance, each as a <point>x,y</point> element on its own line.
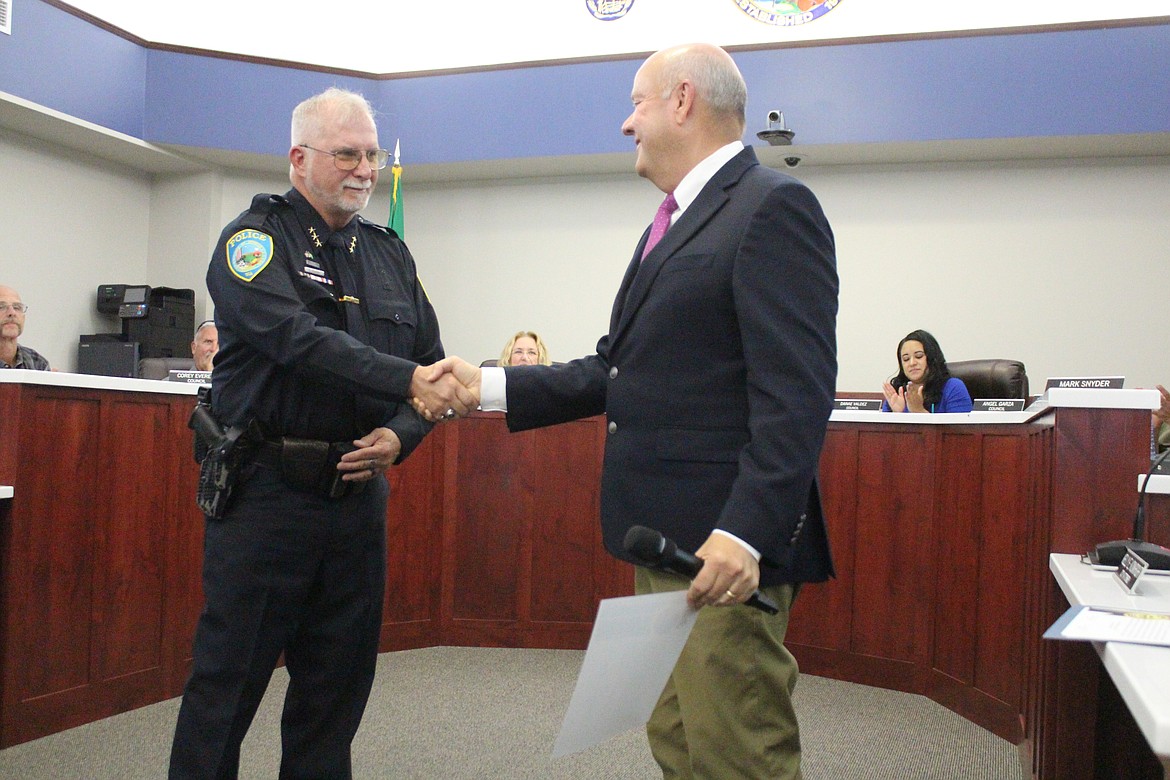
<point>941,534</point>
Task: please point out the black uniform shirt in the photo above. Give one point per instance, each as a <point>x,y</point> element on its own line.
<point>319,332</point>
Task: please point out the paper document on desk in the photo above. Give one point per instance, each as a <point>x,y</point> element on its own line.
<point>1093,624</point>
<point>635,643</point>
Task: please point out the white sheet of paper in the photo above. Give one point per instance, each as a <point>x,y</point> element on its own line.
<point>1146,628</point>
<point>635,643</point>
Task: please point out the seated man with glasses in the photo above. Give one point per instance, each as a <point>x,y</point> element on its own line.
<point>13,355</point>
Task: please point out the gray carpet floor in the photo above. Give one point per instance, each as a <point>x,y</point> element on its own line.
<point>460,713</point>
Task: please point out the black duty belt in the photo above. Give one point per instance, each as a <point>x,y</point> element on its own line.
<point>268,454</point>
<point>308,464</point>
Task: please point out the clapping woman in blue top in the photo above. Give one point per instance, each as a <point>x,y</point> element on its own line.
<point>923,383</point>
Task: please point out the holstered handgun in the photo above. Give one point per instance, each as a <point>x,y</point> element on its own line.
<point>208,432</point>
<point>220,453</point>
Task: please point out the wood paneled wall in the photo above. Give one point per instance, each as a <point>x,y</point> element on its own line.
<point>99,555</point>
<point>492,540</point>
<point>930,528</point>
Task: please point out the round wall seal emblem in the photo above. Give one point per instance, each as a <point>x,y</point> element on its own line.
<point>608,10</point>
<point>786,13</point>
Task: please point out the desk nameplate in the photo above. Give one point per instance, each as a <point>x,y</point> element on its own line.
<point>96,382</point>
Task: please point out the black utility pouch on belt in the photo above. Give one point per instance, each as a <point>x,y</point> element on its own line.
<point>311,465</point>
<point>220,454</point>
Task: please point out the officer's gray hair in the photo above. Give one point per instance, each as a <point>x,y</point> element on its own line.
<point>717,80</point>
<point>309,117</point>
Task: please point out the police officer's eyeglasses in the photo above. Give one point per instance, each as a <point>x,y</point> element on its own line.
<point>19,308</point>
<point>348,159</point>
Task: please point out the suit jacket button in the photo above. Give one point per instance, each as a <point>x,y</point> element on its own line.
<point>612,427</point>
<point>613,372</point>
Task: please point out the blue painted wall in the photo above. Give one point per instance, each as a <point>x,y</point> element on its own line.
<point>1081,82</point>
<point>57,60</point>
<point>533,112</point>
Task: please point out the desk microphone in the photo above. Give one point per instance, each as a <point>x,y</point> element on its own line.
<point>655,551</point>
<point>1111,553</point>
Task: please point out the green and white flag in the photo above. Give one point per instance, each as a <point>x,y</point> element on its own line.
<point>396,219</point>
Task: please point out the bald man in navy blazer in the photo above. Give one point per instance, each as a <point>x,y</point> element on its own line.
<point>717,377</point>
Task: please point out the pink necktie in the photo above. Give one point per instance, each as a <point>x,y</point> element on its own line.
<point>661,223</point>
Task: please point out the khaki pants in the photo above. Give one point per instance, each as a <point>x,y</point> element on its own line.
<point>726,711</point>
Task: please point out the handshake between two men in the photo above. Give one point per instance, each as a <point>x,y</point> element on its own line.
<point>447,389</point>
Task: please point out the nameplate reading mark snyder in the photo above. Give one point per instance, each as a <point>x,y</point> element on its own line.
<point>1095,382</point>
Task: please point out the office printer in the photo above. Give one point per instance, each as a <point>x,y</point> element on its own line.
<point>155,322</point>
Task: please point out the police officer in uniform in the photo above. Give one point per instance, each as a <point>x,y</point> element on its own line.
<point>325,332</point>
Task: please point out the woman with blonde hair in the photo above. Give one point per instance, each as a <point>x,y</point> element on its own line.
<point>525,349</point>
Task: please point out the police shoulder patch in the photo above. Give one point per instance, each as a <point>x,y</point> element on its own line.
<point>248,253</point>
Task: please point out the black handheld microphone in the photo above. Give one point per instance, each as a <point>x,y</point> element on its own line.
<point>654,550</point>
<point>1111,553</point>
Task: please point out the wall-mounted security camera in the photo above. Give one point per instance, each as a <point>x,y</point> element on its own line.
<point>793,160</point>
<point>776,133</point>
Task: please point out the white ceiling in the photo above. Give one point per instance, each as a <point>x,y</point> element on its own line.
<point>395,36</point>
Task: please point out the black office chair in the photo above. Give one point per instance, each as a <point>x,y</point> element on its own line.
<point>992,378</point>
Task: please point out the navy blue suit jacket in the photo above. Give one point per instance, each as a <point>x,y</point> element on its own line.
<point>717,376</point>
